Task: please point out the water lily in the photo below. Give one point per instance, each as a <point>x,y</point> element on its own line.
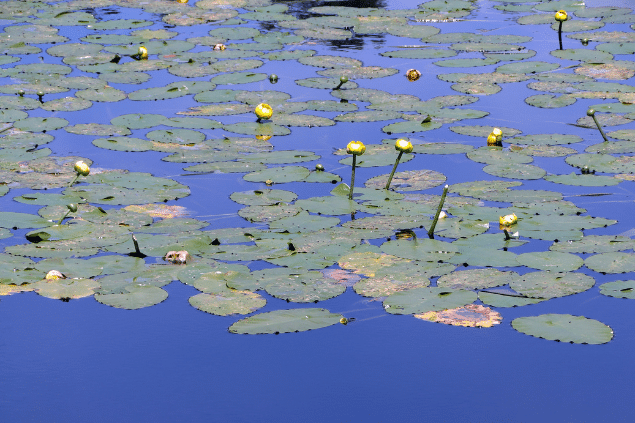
<point>402,146</point>
<point>356,148</point>
<point>219,47</point>
<point>560,17</point>
<point>263,111</point>
<point>413,74</point>
<point>54,275</point>
<point>143,52</point>
<point>81,169</point>
<point>343,80</point>
<point>508,220</point>
<point>72,208</point>
<point>273,78</point>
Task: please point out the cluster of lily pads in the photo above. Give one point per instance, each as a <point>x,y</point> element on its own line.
<point>98,231</point>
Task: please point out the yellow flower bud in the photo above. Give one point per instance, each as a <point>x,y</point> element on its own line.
<point>263,137</point>
<point>264,111</point>
<point>143,52</point>
<point>413,74</point>
<point>404,146</point>
<point>54,275</point>
<point>356,148</point>
<point>82,168</point>
<point>492,140</point>
<point>219,47</point>
<point>561,16</point>
<point>508,220</point>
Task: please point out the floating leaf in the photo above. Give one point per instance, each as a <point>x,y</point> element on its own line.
<point>471,315</point>
<point>548,284</point>
<point>286,321</point>
<point>422,300</point>
<point>611,262</point>
<point>564,328</point>
<point>228,303</point>
<point>619,289</point>
<point>476,279</point>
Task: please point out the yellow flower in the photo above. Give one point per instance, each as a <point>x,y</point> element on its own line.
<point>508,220</point>
<point>81,168</point>
<point>356,148</point>
<point>264,111</point>
<point>492,139</point>
<point>498,133</point>
<point>263,137</point>
<point>404,146</point>
<point>561,16</point>
<point>220,47</point>
<point>413,74</point>
<point>181,1</point>
<point>143,52</point>
<point>54,275</point>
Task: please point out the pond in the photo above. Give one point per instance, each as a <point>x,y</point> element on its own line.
<point>295,302</point>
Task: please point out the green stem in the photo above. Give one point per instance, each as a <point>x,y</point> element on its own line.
<point>507,236</point>
<point>393,170</point>
<point>63,217</point>
<point>560,34</point>
<point>350,192</point>
<point>600,128</point>
<point>258,120</point>
<point>436,216</point>
<point>339,86</point>
<point>73,181</point>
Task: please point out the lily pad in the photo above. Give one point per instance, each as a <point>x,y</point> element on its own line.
<point>548,284</point>
<point>564,328</point>
<point>228,303</point>
<point>422,300</point>
<point>611,262</point>
<point>134,297</point>
<point>619,289</point>
<point>286,321</point>
<point>476,279</point>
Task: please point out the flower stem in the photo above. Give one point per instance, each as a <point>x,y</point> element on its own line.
<point>63,217</point>
<point>74,180</point>
<point>600,128</point>
<point>560,34</point>
<point>436,216</point>
<point>393,170</point>
<point>350,192</point>
<point>507,236</point>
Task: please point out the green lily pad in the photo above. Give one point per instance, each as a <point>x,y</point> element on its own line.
<point>304,222</point>
<point>415,180</point>
<point>583,180</point>
<point>483,131</point>
<point>138,120</point>
<point>550,101</point>
<point>134,297</point>
<point>582,55</point>
<point>612,262</point>
<point>66,288</point>
<point>547,151</point>
<point>265,197</point>
<point>228,303</point>
<point>594,244</point>
<point>465,63</point>
<point>421,300</point>
<point>619,289</point>
<point>476,279</point>
<point>361,72</point>
<point>286,321</point>
<point>410,127</point>
<point>268,213</point>
<point>550,260</point>
<point>97,129</point>
<point>38,124</point>
<point>66,104</point>
<point>420,53</point>
<point>502,299</point>
<point>107,94</point>
<point>515,171</point>
<point>564,328</point>
<point>546,284</point>
<point>545,139</point>
<point>603,163</point>
<point>255,128</point>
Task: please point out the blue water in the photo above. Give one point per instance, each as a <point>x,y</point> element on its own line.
<point>84,362</point>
